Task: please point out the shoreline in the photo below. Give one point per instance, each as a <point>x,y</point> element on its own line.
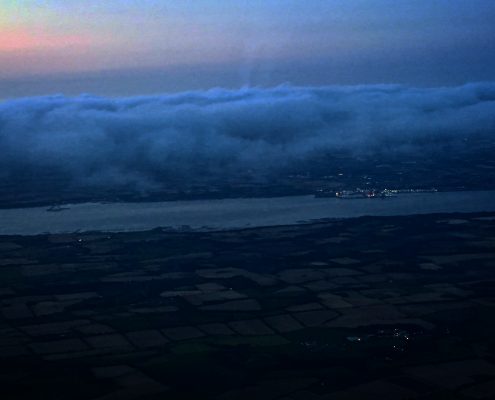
<point>155,198</point>
<point>232,214</point>
<point>482,216</point>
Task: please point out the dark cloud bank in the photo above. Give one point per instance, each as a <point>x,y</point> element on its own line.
<point>149,140</point>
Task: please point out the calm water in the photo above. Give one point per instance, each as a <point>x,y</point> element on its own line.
<point>232,213</point>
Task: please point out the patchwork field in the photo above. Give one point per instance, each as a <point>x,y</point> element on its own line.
<point>367,308</point>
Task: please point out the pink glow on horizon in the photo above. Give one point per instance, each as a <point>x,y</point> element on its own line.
<point>22,39</point>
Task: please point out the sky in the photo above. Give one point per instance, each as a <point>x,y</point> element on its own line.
<point>129,47</point>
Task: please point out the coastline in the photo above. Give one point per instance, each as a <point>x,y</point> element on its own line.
<point>232,214</point>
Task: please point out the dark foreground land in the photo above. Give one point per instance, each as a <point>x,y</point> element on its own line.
<point>370,308</point>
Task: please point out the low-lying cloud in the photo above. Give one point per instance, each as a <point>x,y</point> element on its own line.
<point>217,133</point>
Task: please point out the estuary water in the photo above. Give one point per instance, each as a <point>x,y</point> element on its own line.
<point>231,213</point>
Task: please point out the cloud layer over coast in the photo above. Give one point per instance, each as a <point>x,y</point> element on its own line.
<point>146,140</point>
